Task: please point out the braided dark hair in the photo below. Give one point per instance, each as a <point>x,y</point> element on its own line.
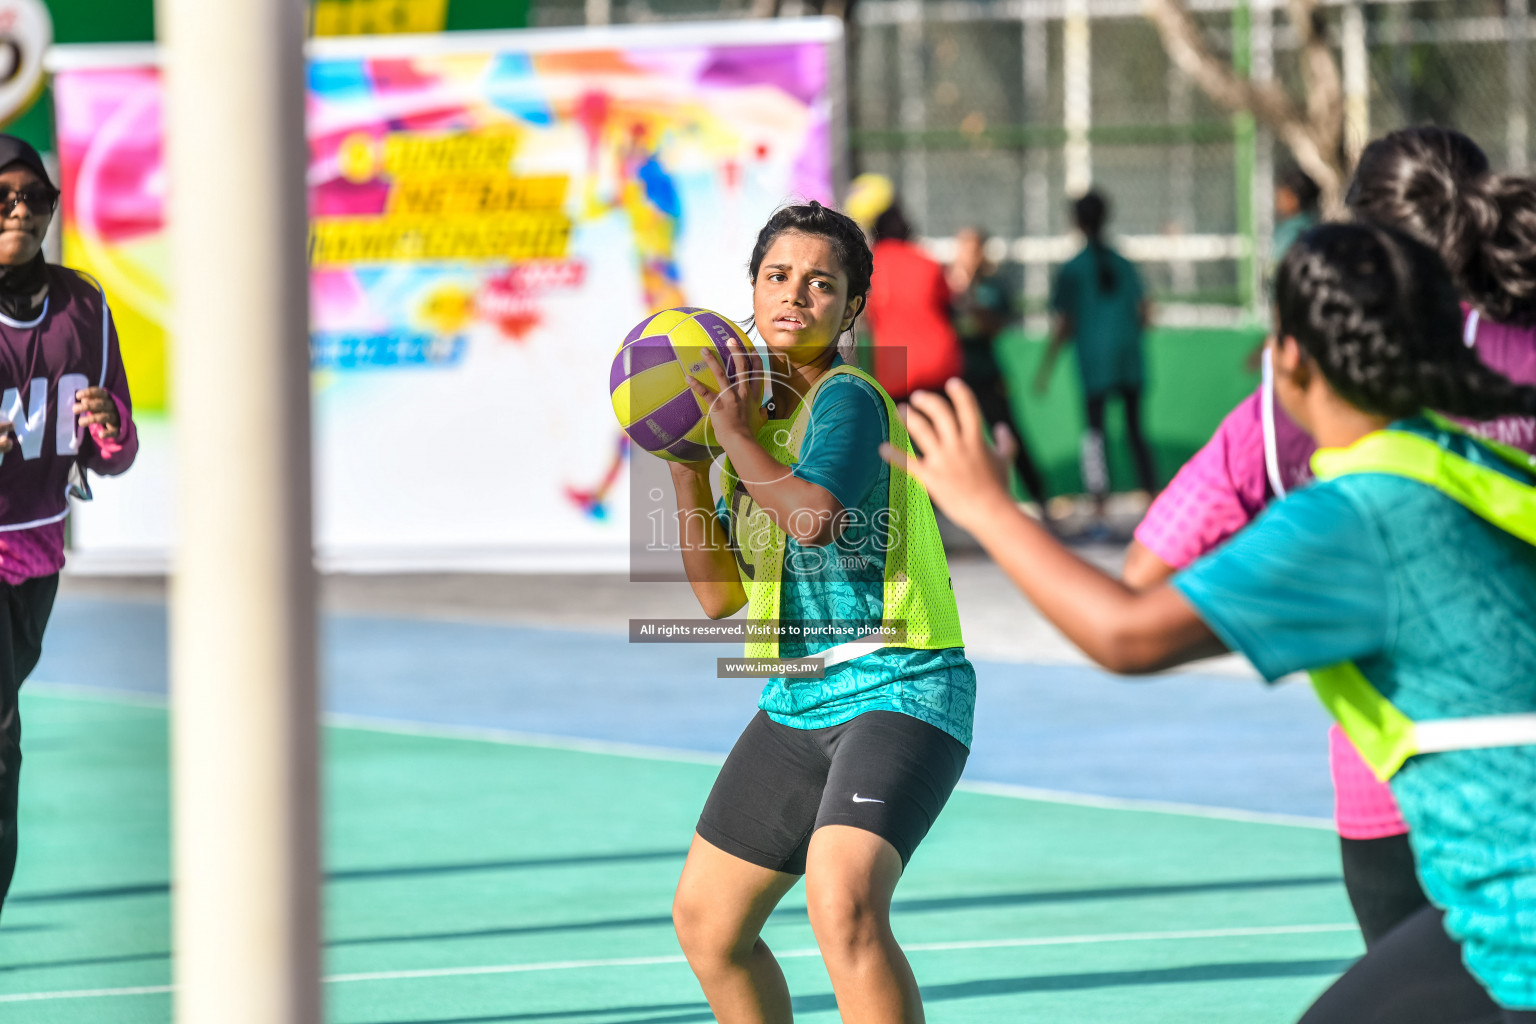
<point>1434,183</point>
<point>1090,212</point>
<point>1378,312</point>
<point>848,243</point>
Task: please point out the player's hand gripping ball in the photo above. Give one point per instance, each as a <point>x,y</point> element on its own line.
<point>649,381</point>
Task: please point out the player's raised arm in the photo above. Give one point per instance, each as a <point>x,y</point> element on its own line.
<point>707,556</point>
<point>1121,629</point>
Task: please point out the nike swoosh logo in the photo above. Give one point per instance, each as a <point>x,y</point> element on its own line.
<point>866,799</point>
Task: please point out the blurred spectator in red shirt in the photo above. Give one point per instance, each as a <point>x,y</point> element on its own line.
<point>915,345</point>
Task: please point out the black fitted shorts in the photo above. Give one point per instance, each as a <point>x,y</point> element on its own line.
<point>883,772</point>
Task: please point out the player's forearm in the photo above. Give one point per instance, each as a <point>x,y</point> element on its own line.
<point>1143,568</point>
<point>707,557</point>
<point>803,510</point>
<point>1120,629</point>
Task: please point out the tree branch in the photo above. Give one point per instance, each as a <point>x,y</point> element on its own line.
<point>1313,137</point>
<point>1319,75</point>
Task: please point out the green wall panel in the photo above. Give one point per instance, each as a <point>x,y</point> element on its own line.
<point>1194,378</point>
<point>102,21</point>
<point>468,15</point>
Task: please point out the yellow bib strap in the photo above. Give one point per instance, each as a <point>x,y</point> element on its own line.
<point>1502,500</point>
<point>1384,736</point>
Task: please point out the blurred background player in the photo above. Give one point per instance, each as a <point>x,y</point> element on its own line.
<point>1296,197</point>
<point>915,345</point>
<point>1099,306</point>
<point>982,309</point>
<point>65,408</point>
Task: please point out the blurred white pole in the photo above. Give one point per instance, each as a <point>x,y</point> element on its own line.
<point>1357,83</point>
<point>1518,38</point>
<point>1261,51</point>
<point>599,12</point>
<point>1181,175</point>
<point>1077,113</point>
<point>911,82</point>
<point>244,734</point>
<point>1037,183</point>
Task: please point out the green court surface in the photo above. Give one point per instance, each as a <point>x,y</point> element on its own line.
<point>480,879</point>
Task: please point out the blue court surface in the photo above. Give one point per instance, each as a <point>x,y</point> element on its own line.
<point>507,808</point>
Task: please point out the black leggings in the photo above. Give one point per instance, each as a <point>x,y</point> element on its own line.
<point>1413,975</point>
<point>1146,475</point>
<point>23,617</point>
<point>1382,883</point>
<point>992,396</point>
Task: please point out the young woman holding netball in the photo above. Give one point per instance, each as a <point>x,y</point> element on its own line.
<point>838,778</point>
<point>1403,578</point>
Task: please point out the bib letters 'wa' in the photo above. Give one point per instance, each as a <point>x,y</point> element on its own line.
<point>73,334</point>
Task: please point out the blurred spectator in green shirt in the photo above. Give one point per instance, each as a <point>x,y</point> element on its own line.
<point>1099,305</point>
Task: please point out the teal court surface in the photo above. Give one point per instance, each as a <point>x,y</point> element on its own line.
<point>507,808</point>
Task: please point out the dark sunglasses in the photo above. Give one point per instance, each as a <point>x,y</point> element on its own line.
<point>38,200</point>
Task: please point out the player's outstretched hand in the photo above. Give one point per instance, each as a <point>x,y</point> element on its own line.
<point>6,438</point>
<point>965,476</point>
<point>97,412</point>
<point>737,408</point>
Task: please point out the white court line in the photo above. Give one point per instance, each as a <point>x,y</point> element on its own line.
<point>86,993</point>
<point>792,954</point>
<point>547,741</point>
<point>1114,803</point>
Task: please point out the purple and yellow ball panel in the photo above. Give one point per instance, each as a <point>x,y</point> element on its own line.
<point>638,356</point>
<point>647,392</point>
<point>688,338</point>
<point>720,329</point>
<point>660,429</point>
<point>690,451</point>
<point>660,323</point>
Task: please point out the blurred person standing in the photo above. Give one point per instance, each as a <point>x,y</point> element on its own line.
<point>65,409</point>
<point>1296,198</point>
<point>982,308</point>
<point>915,345</point>
<point>1098,303</point>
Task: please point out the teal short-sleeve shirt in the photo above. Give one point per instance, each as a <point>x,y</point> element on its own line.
<point>1438,609</point>
<point>1106,322</point>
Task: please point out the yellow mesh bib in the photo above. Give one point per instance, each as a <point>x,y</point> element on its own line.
<point>917,589</point>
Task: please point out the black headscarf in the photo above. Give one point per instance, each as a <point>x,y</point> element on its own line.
<point>23,287</point>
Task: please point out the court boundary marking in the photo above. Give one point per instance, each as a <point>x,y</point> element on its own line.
<point>677,958</point>
<point>612,748</point>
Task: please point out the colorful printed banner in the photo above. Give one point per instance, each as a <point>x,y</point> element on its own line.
<point>487,223</point>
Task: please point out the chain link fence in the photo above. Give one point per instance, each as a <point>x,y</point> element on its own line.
<point>993,113</point>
